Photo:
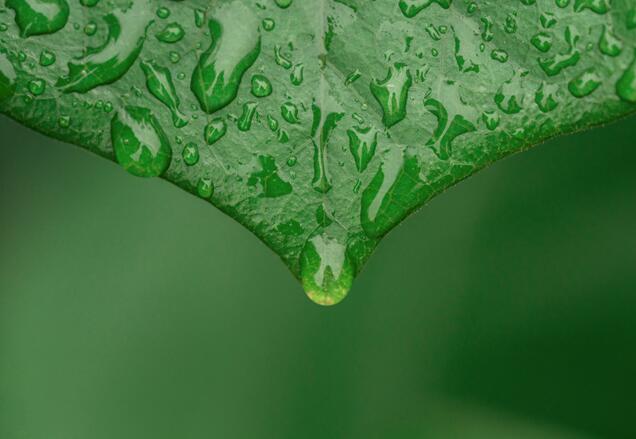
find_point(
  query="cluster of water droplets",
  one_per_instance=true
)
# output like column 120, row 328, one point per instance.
column 339, row 125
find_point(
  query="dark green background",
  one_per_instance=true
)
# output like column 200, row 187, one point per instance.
column 504, row 309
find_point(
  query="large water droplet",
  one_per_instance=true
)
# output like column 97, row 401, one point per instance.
column 271, row 184
column 362, row 144
column 236, row 44
column 109, row 62
column 140, row 144
column 322, row 128
column 442, row 140
column 392, row 194
column 39, row 17
column 160, row 85
column 585, row 83
column 392, row 93
column 326, row 270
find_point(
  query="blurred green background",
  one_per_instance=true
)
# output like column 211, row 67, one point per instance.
column 504, row 309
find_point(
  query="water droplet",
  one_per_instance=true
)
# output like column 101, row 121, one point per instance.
column 491, row 119
column 236, row 44
column 7, row 78
column 171, row 33
column 267, row 178
column 269, row 24
column 199, row 17
column 140, row 144
column 47, row 58
column 554, row 65
column 546, row 97
column 410, row 8
column 190, row 154
column 205, row 188
column 109, row 62
column 261, row 86
column 283, row 3
column 442, row 140
column 626, row 85
column 597, row 6
column 289, row 111
column 585, row 83
column 392, row 94
column 362, row 144
column 321, row 131
column 542, row 41
column 353, row 77
column 609, row 44
column 392, row 194
column 297, row 75
column 64, row 121
column 509, row 97
column 39, row 17
column 90, row 28
column 160, row 85
column 37, row 86
column 163, row 12
column 281, row 59
column 215, row 130
column 245, row 121
column 326, row 270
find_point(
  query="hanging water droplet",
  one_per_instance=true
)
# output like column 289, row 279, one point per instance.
column 326, row 270
column 141, row 146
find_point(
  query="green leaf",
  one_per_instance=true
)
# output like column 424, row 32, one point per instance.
column 319, row 125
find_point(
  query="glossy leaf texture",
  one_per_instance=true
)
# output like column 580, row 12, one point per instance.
column 318, row 125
